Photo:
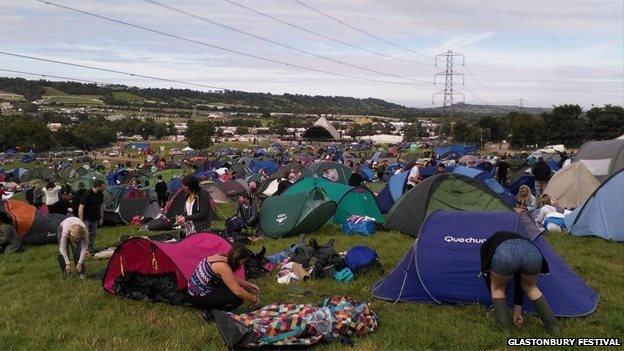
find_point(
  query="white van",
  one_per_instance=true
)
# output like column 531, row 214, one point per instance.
column 551, row 149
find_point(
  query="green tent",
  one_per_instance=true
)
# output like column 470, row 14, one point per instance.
column 351, row 200
column 86, row 178
column 169, row 174
column 342, row 172
column 297, row 213
column 445, row 191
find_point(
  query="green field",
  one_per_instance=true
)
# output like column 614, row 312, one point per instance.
column 42, row 311
column 49, row 91
column 73, row 100
column 128, row 97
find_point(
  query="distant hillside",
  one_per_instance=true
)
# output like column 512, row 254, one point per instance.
column 228, row 100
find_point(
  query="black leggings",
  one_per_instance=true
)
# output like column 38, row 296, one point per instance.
column 219, row 299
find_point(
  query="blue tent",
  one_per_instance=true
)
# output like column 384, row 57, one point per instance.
column 174, row 184
column 28, row 157
column 603, row 213
column 367, row 173
column 137, row 145
column 455, row 150
column 495, row 186
column 486, row 166
column 269, row 166
column 528, row 180
column 471, row 172
column 443, row 265
column 392, row 191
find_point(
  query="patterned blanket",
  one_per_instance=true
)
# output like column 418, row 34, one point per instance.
column 306, row 324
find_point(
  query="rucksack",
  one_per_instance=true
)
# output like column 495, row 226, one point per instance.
column 363, row 259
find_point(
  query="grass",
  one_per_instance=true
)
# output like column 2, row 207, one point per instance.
column 73, row 100
column 128, row 97
column 50, row 91
column 42, row 311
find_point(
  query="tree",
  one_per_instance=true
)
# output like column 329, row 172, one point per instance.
column 605, row 122
column 463, row 132
column 242, row 130
column 565, row 125
column 24, row 132
column 199, row 134
column 496, row 128
column 413, row 131
column 316, row 133
column 525, row 129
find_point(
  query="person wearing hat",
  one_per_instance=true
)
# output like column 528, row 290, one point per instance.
column 72, row 235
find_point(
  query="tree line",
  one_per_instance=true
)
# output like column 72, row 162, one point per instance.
column 565, row 124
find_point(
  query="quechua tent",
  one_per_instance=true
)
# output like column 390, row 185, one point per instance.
column 443, row 266
column 343, row 172
column 295, row 213
column 446, row 191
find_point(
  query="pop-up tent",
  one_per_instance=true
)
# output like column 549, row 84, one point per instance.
column 142, row 268
column 443, row 266
column 296, row 213
column 446, row 191
column 350, row 200
column 234, row 188
column 32, row 226
column 392, row 192
column 572, row 185
column 343, row 172
column 603, row 213
column 603, row 158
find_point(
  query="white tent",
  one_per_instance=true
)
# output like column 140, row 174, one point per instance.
column 322, row 122
column 187, row 149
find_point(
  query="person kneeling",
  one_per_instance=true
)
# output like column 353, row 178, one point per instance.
column 72, row 234
column 246, row 216
column 213, row 285
column 507, row 255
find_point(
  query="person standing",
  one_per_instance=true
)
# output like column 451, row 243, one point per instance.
column 413, row 177
column 542, row 173
column 196, row 217
column 52, row 199
column 91, row 211
column 501, row 170
column 161, row 191
column 38, row 195
column 78, row 194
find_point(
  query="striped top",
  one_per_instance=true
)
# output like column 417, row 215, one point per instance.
column 64, row 239
column 204, row 279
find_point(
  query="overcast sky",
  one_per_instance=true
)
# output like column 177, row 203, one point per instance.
column 547, row 52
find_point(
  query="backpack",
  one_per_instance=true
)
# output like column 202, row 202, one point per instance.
column 362, row 259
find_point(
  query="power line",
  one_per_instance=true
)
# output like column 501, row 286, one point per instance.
column 359, row 29
column 45, row 75
column 320, row 35
column 175, row 36
column 271, row 41
column 449, row 74
column 483, row 86
column 109, row 70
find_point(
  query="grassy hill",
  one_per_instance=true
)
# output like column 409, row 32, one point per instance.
column 51, row 91
column 126, row 96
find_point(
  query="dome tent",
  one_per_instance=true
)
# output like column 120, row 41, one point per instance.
column 603, row 212
column 446, row 191
column 296, row 213
column 349, row 200
column 443, row 266
column 572, row 185
column 32, row 225
column 343, row 172
column 603, row 158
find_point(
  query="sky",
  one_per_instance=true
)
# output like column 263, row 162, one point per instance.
column 547, row 52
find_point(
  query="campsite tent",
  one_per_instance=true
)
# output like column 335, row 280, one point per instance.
column 572, row 185
column 269, row 186
column 216, row 193
column 446, row 191
column 350, row 200
column 603, row 212
column 169, row 174
column 137, row 260
column 234, row 188
column 31, row 225
column 602, row 158
column 392, row 192
column 443, row 265
column 295, row 213
column 344, row 172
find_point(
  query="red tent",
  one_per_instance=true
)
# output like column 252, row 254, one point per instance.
column 140, row 255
